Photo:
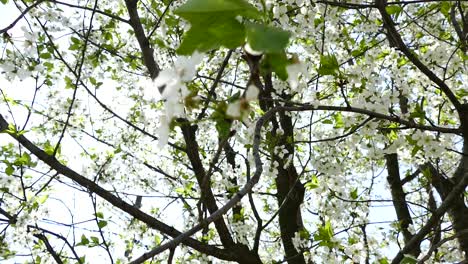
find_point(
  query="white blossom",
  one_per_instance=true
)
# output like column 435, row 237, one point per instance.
column 293, row 71
column 172, row 83
column 252, row 93
column 233, row 109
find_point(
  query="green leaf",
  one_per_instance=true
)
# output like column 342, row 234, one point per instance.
column 76, row 44
column 408, row 259
column 99, row 215
column 4, row 1
column 393, row 9
column 418, row 112
column 179, row 190
column 276, row 62
column 95, row 240
column 196, row 9
column 223, row 126
column 312, row 184
column 304, row 234
column 84, row 241
column 75, row 40
column 9, row 170
column 415, row 150
column 325, row 235
column 223, row 123
column 338, row 120
column 25, row 159
column 42, row 199
column 69, row 83
column 214, row 24
column 354, row 193
column 383, row 261
column 212, row 34
column 49, row 66
column 74, row 47
column 93, row 80
column 328, row 65
column 11, row 129
column 45, row 55
column 48, row 148
column 157, row 240
column 461, row 93
column 427, row 173
column 445, row 8
column 102, row 224
column 266, row 38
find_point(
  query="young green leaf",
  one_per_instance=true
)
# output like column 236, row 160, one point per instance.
column 214, row 24
column 313, row 183
column 393, row 9
column 9, row 170
column 266, row 38
column 213, row 33
column 102, row 224
column 328, row 65
column 408, row 259
column 277, row 62
column 195, row 9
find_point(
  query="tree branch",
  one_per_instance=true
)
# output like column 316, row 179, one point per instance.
column 4, row 30
column 399, row 200
column 207, row 197
column 396, row 119
column 11, row 219
column 49, row 247
column 433, row 220
column 441, row 242
column 72, row 249
column 90, row 9
column 148, row 56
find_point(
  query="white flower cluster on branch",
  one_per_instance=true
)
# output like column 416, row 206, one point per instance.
column 171, row 83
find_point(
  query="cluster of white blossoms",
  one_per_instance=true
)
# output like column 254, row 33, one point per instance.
column 236, row 108
column 23, row 235
column 13, row 71
column 242, row 231
column 299, row 242
column 355, row 251
column 294, row 71
column 239, row 108
column 171, row 84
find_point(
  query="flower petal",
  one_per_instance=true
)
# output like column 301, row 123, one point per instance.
column 252, row 93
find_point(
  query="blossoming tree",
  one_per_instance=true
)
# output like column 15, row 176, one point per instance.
column 248, row 131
